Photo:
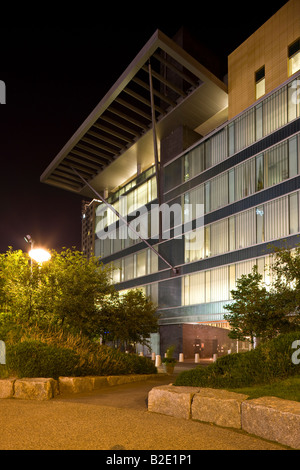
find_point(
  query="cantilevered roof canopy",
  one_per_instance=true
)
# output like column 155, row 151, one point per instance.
column 116, row 136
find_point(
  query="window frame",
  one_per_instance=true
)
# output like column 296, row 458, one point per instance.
column 260, row 76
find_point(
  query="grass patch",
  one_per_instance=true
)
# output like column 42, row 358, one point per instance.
column 288, row 389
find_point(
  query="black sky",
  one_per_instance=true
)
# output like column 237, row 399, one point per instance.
column 57, row 73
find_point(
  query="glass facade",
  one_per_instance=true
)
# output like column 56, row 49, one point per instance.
column 246, row 177
column 270, row 114
column 112, row 236
column 271, row 167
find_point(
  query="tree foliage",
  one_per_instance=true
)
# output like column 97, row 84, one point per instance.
column 73, row 293
column 18, row 283
column 128, row 318
column 63, row 291
column 265, row 311
column 249, row 307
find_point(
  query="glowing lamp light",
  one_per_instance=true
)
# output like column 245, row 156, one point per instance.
column 39, row 255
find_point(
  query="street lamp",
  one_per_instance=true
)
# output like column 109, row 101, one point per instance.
column 28, row 239
column 39, row 255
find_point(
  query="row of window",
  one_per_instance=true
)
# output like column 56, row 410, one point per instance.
column 150, row 290
column 275, row 111
column 135, row 265
column 215, row 285
column 131, row 184
column 293, row 67
column 273, row 220
column 127, row 203
column 262, row 171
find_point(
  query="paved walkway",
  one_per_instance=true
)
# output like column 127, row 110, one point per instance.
column 112, row 418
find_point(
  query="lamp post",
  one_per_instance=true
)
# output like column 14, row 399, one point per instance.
column 39, row 255
column 28, row 239
column 36, row 254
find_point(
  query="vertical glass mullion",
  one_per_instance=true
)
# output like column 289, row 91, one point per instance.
column 231, row 189
column 231, row 146
column 293, row 213
column 207, row 197
column 293, row 160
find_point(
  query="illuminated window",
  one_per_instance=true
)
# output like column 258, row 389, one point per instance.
column 260, row 84
column 294, row 57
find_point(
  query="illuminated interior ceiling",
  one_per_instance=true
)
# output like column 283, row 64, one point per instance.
column 117, row 136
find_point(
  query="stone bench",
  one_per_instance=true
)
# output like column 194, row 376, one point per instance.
column 214, row 406
column 29, row 389
column 35, row 389
column 219, row 407
column 271, row 418
column 89, row 383
column 48, row 388
column 274, row 419
column 173, row 401
column 7, row 388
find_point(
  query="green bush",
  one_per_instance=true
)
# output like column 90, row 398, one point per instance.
column 268, row 362
column 104, row 360
column 36, row 359
column 62, row 353
column 140, row 365
column 276, row 356
column 33, row 358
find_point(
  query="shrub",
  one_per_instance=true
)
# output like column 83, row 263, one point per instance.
column 36, row 359
column 140, row 365
column 104, row 360
column 31, row 358
column 268, row 362
column 276, row 356
column 35, row 351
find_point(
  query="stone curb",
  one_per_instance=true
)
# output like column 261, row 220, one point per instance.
column 48, row 388
column 271, row 418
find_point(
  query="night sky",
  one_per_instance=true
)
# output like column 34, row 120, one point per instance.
column 55, row 75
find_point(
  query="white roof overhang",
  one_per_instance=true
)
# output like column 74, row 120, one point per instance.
column 116, row 136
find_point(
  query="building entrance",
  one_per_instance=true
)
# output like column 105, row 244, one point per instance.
column 204, row 340
column 195, row 338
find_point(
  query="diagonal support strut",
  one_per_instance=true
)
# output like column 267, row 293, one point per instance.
column 174, row 270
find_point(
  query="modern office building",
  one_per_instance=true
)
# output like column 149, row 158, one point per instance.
column 219, row 155
column 88, row 227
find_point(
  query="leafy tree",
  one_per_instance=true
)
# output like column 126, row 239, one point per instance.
column 64, row 291
column 71, row 289
column 18, row 284
column 72, row 293
column 249, row 307
column 128, row 318
column 258, row 311
column 286, row 273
